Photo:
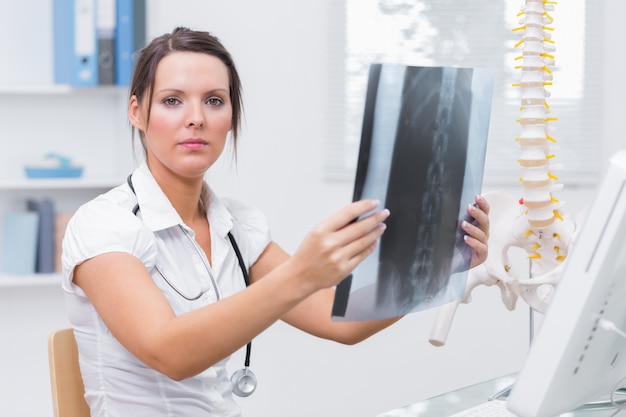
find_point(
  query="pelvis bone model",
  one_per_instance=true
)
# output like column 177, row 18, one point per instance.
column 534, row 223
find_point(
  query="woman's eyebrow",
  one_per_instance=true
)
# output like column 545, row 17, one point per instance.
column 178, row 91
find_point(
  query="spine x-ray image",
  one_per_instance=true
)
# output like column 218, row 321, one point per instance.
column 422, row 154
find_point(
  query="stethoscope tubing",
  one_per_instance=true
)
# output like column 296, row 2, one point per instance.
column 247, row 374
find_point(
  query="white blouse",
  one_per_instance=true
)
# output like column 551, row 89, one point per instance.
column 116, row 382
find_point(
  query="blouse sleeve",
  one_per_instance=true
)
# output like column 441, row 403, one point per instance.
column 102, row 226
column 251, row 229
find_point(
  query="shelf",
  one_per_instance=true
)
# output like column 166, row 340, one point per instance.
column 36, row 280
column 59, row 183
column 60, row 89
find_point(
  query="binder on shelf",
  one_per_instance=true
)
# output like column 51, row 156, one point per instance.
column 46, row 252
column 105, row 29
column 96, row 41
column 139, row 23
column 129, row 38
column 85, row 67
column 19, row 242
column 63, row 40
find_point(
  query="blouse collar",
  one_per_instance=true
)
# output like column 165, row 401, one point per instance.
column 158, row 213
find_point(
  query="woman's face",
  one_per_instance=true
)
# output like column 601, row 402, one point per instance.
column 190, row 116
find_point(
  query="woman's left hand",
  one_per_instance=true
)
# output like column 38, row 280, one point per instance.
column 477, row 236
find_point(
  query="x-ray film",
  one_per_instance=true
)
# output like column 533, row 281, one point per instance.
column 422, row 154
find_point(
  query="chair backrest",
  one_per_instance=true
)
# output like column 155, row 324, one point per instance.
column 66, row 382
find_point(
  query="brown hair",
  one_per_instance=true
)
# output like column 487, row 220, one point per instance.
column 187, row 40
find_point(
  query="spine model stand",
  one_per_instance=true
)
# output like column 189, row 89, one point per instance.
column 535, row 221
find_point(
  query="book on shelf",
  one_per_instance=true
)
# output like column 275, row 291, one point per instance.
column 32, row 238
column 45, row 259
column 19, row 242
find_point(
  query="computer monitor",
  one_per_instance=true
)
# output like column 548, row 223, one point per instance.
column 576, row 357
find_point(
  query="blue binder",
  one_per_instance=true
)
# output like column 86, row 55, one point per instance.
column 19, row 243
column 63, row 38
column 130, row 37
column 124, row 42
column 75, row 42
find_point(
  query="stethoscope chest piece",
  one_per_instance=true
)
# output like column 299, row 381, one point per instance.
column 244, row 382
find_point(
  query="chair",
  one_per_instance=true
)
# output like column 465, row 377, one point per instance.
column 66, row 382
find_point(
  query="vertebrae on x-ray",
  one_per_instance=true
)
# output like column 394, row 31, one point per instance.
column 422, row 268
column 535, row 222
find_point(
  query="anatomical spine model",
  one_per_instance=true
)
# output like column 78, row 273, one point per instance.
column 534, row 222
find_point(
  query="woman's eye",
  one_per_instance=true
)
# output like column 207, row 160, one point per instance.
column 171, row 101
column 214, row 101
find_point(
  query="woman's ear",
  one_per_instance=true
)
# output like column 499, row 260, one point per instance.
column 135, row 115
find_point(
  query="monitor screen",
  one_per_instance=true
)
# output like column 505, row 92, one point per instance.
column 575, row 357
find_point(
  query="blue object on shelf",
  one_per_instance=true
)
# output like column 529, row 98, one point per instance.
column 53, row 166
column 74, row 172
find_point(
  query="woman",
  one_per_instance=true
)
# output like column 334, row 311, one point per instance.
column 156, row 293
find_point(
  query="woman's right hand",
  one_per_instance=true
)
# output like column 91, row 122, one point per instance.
column 337, row 245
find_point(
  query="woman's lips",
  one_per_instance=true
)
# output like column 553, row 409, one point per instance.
column 193, row 144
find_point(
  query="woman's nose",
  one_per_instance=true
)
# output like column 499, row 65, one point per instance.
column 195, row 117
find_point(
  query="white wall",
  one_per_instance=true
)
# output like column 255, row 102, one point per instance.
column 280, row 48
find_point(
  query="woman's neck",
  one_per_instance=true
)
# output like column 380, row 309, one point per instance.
column 184, row 194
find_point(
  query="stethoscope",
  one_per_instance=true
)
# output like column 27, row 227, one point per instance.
column 244, row 381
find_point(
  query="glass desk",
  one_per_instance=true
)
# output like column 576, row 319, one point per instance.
column 447, row 404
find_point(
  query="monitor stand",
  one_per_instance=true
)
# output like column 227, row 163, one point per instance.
column 618, row 401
